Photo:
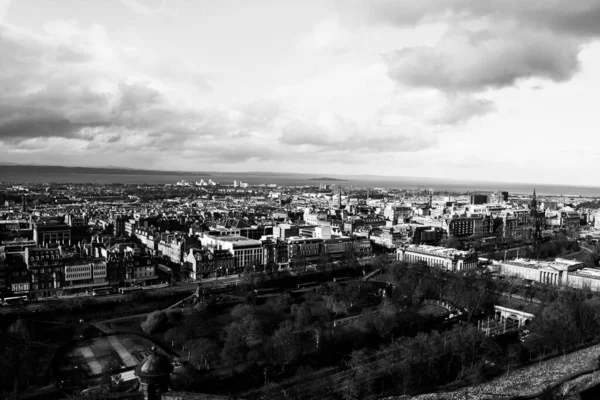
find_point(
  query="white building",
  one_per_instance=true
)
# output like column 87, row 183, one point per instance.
column 440, row 257
column 247, row 252
column 557, row 272
column 85, row 272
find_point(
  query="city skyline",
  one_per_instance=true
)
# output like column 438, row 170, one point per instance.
column 447, row 89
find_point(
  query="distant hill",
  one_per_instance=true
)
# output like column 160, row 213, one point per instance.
column 54, row 169
column 328, row 179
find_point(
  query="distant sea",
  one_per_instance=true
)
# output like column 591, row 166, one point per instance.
column 87, row 175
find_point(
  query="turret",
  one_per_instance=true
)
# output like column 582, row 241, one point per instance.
column 154, row 375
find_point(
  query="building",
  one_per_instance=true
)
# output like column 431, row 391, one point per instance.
column 45, row 233
column 46, row 270
column 478, row 199
column 246, row 252
column 569, row 219
column 208, row 263
column 439, row 257
column 154, row 374
column 397, row 214
column 76, row 220
column 172, row 247
column 85, row 273
column 304, row 250
column 140, row 272
column 387, row 238
column 129, row 225
column 118, row 264
column 337, row 247
column 4, row 276
column 425, row 234
column 460, row 227
column 557, row 272
column 364, row 223
column 283, row 231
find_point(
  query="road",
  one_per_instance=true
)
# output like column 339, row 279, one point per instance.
column 178, row 288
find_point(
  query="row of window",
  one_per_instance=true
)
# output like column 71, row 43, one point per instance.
column 46, row 257
column 78, row 275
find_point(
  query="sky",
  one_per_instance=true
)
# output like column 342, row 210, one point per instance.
column 493, row 90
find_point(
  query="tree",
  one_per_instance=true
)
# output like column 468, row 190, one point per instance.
column 454, row 243
column 338, row 307
column 285, row 344
column 381, row 261
column 557, row 325
column 384, row 325
column 513, row 357
column 177, row 336
column 302, row 315
column 17, row 361
column 362, row 375
column 20, row 331
column 156, row 321
column 235, row 345
column 350, row 388
column 249, row 276
column 324, row 261
column 202, row 352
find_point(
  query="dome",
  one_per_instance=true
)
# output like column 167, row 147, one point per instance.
column 155, row 365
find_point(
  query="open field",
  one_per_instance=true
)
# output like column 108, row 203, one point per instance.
column 92, row 357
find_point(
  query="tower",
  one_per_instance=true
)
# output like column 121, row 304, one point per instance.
column 535, row 218
column 340, row 198
column 154, row 375
column 533, row 204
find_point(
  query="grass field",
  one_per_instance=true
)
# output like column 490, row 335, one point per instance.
column 93, row 357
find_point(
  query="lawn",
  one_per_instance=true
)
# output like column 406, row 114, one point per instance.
column 92, row 357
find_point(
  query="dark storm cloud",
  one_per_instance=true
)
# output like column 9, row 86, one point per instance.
column 37, row 126
column 489, row 43
column 490, row 58
column 46, row 93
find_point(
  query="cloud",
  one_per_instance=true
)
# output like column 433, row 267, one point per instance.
column 488, row 44
column 575, row 18
column 460, row 108
column 74, row 83
column 4, row 7
column 375, row 136
column 495, row 57
column 145, row 7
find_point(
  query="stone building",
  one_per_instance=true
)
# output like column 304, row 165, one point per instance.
column 439, row 257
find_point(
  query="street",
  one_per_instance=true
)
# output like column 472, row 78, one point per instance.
column 178, row 288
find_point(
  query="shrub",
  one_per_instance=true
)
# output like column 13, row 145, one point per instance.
column 156, row 321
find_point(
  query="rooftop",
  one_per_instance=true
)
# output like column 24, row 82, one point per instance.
column 238, row 240
column 589, row 272
column 437, row 251
column 559, row 264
